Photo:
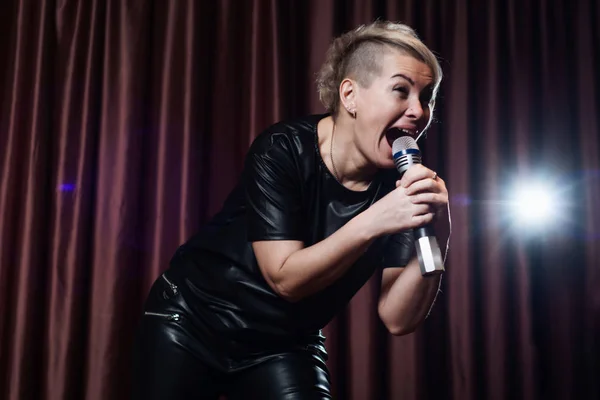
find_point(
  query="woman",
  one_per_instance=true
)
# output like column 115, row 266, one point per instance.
column 317, row 211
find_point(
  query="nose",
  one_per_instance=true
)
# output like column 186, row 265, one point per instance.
column 415, row 109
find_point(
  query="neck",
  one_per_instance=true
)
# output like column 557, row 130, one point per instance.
column 341, row 154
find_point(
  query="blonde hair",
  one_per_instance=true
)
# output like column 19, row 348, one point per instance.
column 357, row 54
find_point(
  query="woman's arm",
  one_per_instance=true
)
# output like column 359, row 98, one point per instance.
column 295, row 272
column 406, row 295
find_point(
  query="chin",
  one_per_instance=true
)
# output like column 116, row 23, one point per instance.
column 386, row 157
column 380, row 155
column 388, row 165
column 385, row 162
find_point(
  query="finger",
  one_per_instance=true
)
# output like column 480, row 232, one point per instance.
column 420, row 220
column 398, row 183
column 422, row 209
column 425, row 185
column 436, row 199
column 415, row 173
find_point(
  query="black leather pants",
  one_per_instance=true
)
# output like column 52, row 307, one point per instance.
column 171, row 362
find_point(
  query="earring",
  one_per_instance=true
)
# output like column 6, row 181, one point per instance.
column 353, row 112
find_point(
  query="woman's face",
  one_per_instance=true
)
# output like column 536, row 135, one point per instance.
column 395, row 104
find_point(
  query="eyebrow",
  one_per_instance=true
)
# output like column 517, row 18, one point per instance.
column 405, row 77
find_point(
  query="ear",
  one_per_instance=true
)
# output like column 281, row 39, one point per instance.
column 348, row 89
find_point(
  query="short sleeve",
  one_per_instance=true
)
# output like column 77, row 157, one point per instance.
column 273, row 192
column 398, row 250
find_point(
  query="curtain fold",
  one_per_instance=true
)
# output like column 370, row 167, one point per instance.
column 124, row 125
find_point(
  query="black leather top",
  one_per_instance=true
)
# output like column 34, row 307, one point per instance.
column 285, row 192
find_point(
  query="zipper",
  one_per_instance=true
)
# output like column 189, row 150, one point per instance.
column 169, row 317
column 171, row 284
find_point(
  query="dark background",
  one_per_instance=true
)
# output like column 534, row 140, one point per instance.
column 124, row 123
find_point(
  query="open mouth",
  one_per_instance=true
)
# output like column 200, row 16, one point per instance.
column 394, row 133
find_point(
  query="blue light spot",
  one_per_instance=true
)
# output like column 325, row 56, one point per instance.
column 67, row 187
column 461, row 200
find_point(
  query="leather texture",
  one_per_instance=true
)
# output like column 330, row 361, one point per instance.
column 231, row 319
column 173, row 361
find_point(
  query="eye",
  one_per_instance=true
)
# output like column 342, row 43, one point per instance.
column 402, row 90
column 425, row 97
column 425, row 101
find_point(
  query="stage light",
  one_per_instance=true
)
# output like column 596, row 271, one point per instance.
column 534, row 204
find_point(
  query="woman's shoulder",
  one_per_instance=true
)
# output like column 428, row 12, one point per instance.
column 297, row 135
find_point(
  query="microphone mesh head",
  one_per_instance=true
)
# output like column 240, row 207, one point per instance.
column 404, row 143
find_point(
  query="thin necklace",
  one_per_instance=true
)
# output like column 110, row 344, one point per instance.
column 337, row 178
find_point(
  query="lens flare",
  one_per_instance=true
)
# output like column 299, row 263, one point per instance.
column 534, row 204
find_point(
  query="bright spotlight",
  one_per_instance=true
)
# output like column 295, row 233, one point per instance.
column 534, row 204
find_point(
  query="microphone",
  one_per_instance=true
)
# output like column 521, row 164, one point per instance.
column 406, row 153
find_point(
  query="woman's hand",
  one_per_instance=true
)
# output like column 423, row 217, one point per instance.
column 423, row 186
column 419, row 196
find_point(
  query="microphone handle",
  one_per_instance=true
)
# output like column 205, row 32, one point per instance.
column 429, row 254
column 428, row 250
column 423, row 231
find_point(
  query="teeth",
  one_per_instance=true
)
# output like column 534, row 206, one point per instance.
column 399, row 132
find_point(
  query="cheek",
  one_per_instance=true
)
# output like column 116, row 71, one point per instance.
column 371, row 142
